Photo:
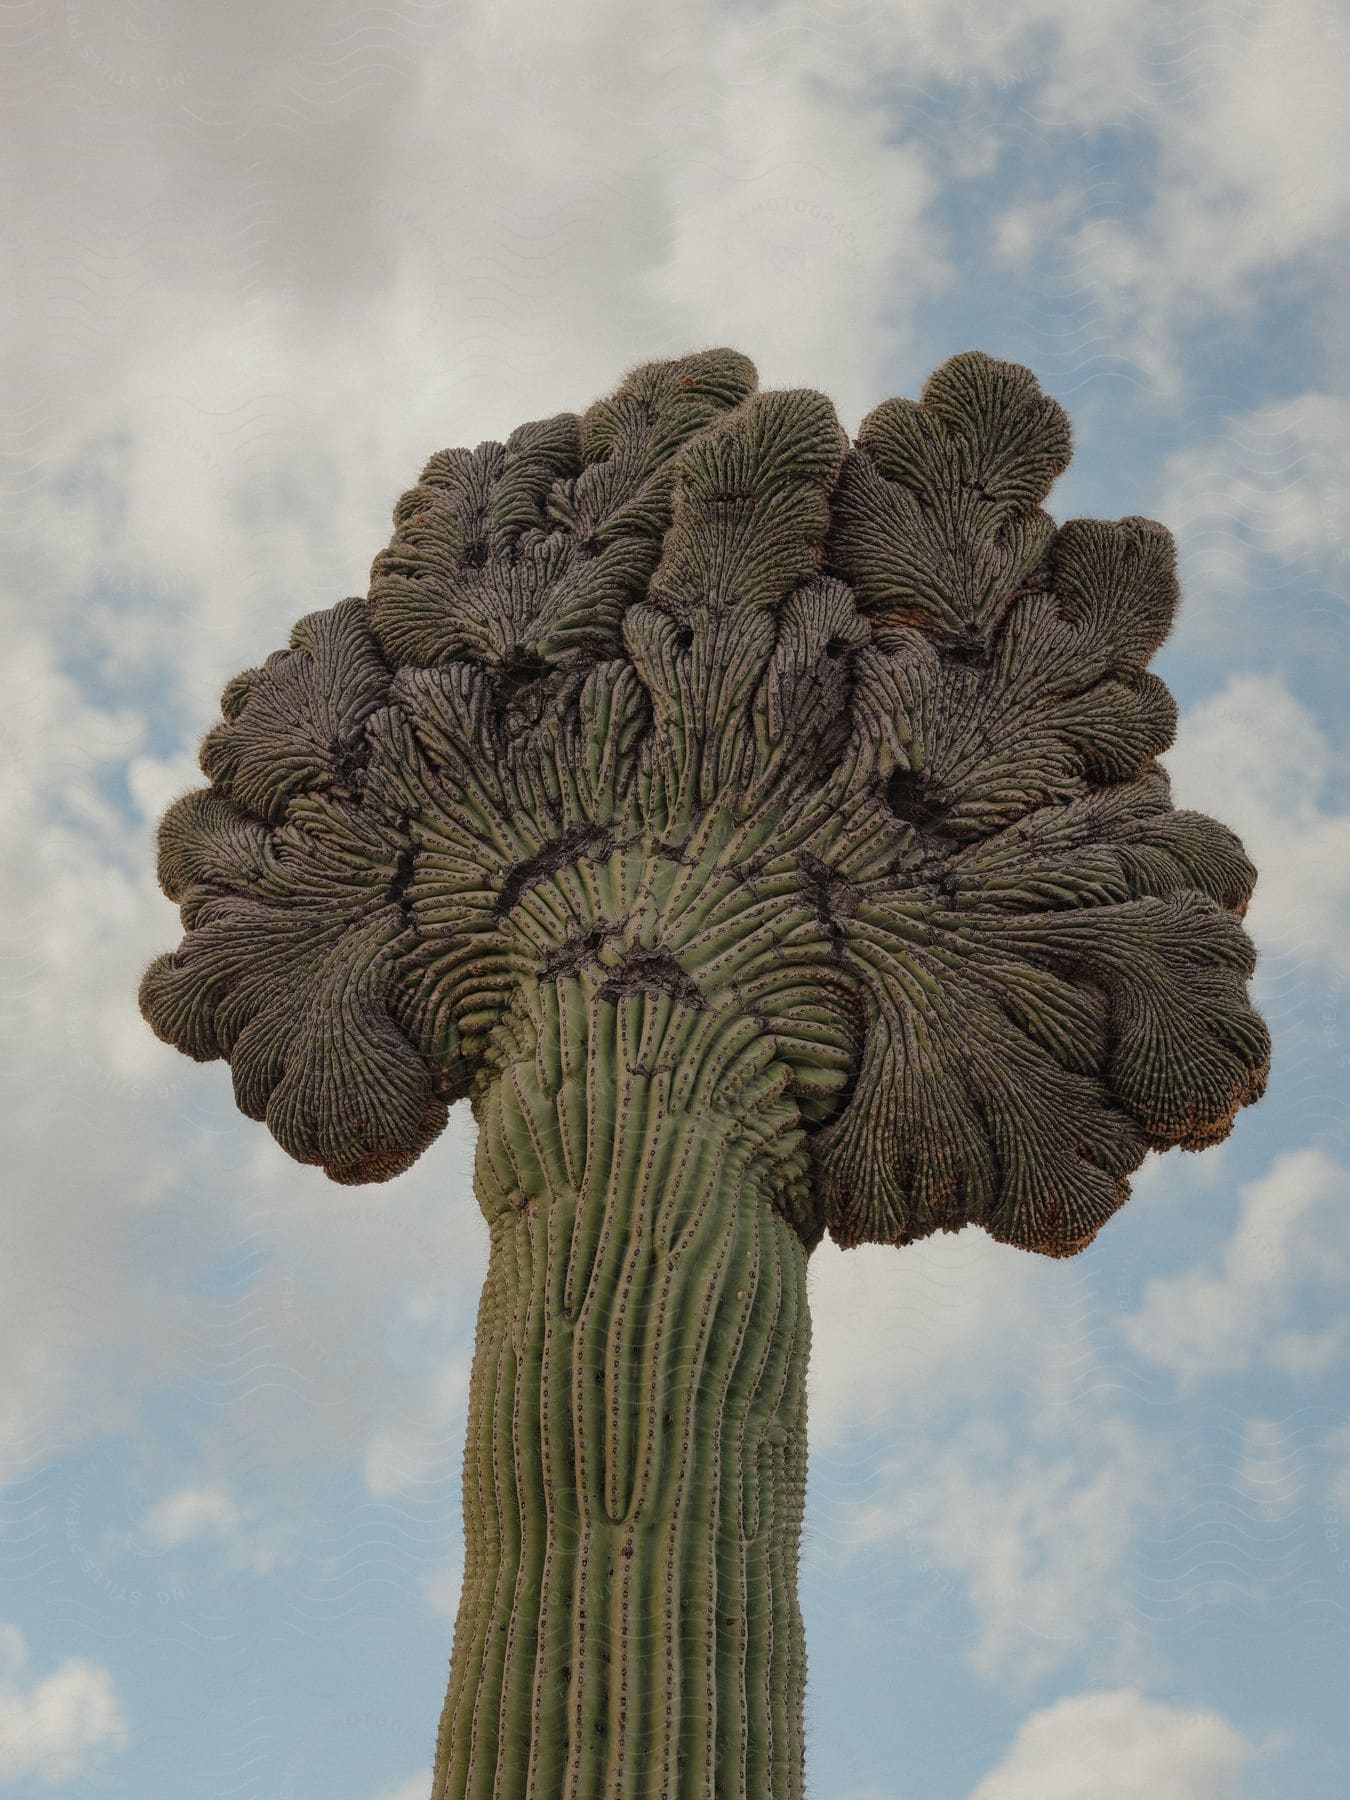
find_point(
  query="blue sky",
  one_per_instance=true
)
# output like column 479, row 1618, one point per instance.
column 1071, row 1528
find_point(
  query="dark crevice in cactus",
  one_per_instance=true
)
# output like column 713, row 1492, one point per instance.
column 518, row 671
column 976, row 654
column 350, row 765
column 831, row 895
column 916, row 799
column 398, row 887
column 651, row 972
column 577, row 952
column 590, row 839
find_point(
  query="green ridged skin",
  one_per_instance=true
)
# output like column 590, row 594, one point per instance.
column 636, row 1461
column 765, row 834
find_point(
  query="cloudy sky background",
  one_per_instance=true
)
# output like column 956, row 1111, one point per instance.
column 1072, row 1527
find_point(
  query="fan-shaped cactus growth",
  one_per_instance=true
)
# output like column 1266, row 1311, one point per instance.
column 765, row 833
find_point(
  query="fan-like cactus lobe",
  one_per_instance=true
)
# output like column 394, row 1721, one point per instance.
column 766, row 832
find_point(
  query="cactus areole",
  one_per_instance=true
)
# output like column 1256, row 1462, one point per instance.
column 765, row 833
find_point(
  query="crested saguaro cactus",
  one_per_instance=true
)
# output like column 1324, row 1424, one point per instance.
column 765, row 833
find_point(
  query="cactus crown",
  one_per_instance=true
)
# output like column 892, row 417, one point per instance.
column 902, row 722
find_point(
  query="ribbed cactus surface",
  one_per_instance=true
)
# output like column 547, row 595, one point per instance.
column 636, row 1461
column 765, row 833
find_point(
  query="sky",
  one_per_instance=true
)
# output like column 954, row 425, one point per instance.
column 1072, row 1527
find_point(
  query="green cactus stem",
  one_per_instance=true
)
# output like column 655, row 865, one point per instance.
column 636, row 1461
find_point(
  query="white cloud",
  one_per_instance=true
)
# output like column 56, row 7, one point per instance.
column 442, row 1588
column 1262, row 499
column 1239, row 195
column 1273, row 479
column 1255, row 756
column 1253, row 1297
column 1219, row 193
column 425, row 1447
column 74, row 1055
column 793, row 226
column 1273, row 1470
column 1120, row 1745
column 1036, row 1526
column 920, row 1328
column 1336, row 1447
column 1030, row 1516
column 416, row 1787
column 492, row 260
column 192, row 1512
column 209, row 1513
column 1271, row 191
column 58, row 1727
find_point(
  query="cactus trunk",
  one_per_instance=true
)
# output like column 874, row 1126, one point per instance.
column 635, row 1466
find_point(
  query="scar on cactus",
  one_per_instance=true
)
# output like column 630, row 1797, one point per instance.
column 765, row 833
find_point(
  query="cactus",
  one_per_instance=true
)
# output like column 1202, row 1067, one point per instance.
column 765, row 834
